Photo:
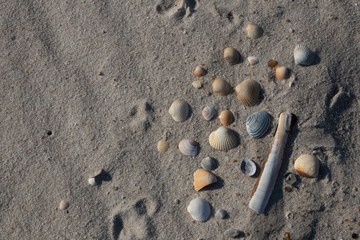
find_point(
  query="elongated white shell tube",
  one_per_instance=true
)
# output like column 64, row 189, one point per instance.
column 266, row 182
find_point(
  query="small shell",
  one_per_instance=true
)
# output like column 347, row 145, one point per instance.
column 221, row 87
column 290, row 178
column 307, row 165
column 257, row 124
column 199, row 209
column 197, row 84
column 226, row 117
column 231, row 55
column 303, row 55
column 254, row 31
column 63, row 205
column 179, row 110
column 92, row 181
column 162, row 146
column 209, row 163
column 223, row 139
column 248, row 167
column 188, row 147
column 203, row 178
column 248, row 92
column 199, row 71
column 208, row 113
column 282, row 72
column 272, row 63
column 253, row 60
column 221, row 213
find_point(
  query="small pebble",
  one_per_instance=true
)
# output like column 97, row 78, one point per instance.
column 290, row 178
column 221, row 213
column 92, row 181
column 63, row 205
column 197, row 84
column 176, row 201
column 231, row 233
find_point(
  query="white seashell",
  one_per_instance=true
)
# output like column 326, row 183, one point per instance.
column 223, row 139
column 303, row 55
column 307, row 166
column 188, row 147
column 203, row 178
column 197, row 84
column 199, row 209
column 257, row 124
column 179, row 110
column 208, row 113
column 248, row 167
column 63, row 205
column 162, row 146
column 253, row 60
column 231, row 55
column 92, row 181
column 209, row 163
column 254, row 31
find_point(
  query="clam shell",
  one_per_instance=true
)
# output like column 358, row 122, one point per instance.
column 221, row 87
column 248, row 167
column 307, row 166
column 179, row 110
column 248, row 92
column 199, row 71
column 203, row 178
column 63, row 205
column 254, row 31
column 257, row 124
column 208, row 113
column 197, row 84
column 253, row 60
column 199, row 209
column 188, row 147
column 209, row 163
column 226, row 117
column 282, row 73
column 303, row 55
column 162, row 146
column 231, row 55
column 223, row 139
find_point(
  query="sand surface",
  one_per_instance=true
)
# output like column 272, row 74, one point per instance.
column 86, row 85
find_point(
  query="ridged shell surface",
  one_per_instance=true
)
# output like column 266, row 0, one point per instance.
column 248, row 92
column 303, row 55
column 231, row 55
column 307, row 165
column 188, row 147
column 248, row 167
column 179, row 110
column 254, row 31
column 203, row 178
column 257, row 124
column 208, row 113
column 221, row 87
column 199, row 209
column 209, row 163
column 223, row 139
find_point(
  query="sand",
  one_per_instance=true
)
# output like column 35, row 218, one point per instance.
column 86, row 85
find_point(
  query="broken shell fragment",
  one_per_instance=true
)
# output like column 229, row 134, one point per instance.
column 254, row 31
column 307, row 165
column 303, row 55
column 231, row 55
column 162, row 146
column 208, row 113
column 223, row 139
column 248, row 167
column 226, row 117
column 179, row 110
column 63, row 205
column 188, row 147
column 257, row 124
column 253, row 60
column 92, row 181
column 199, row 71
column 248, row 92
column 221, row 87
column 197, row 84
column 199, row 209
column 203, row 178
column 290, row 178
column 209, row 163
column 282, row 73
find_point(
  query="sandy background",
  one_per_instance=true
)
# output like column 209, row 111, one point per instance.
column 87, row 85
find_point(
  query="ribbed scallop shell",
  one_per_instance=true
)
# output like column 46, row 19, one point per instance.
column 248, row 92
column 282, row 73
column 307, row 165
column 208, row 113
column 254, row 31
column 199, row 209
column 231, row 55
column 221, row 87
column 203, row 178
column 223, row 139
column 226, row 117
column 179, row 110
column 257, row 124
column 209, row 163
column 248, row 167
column 303, row 55
column 188, row 147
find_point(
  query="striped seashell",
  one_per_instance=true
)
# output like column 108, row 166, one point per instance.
column 199, row 209
column 248, row 92
column 221, row 87
column 203, row 178
column 188, row 147
column 231, row 55
column 209, row 163
column 257, row 124
column 199, row 71
column 223, row 139
column 253, row 60
column 307, row 166
column 254, row 31
column 179, row 110
column 208, row 113
column 226, row 117
column 248, row 167
column 162, row 146
column 282, row 72
column 303, row 55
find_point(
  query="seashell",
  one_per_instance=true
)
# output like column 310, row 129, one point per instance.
column 92, row 181
column 254, row 31
column 253, row 60
column 232, row 233
column 63, row 205
column 208, row 113
column 248, row 167
column 221, row 213
column 248, row 92
column 307, row 166
column 221, row 87
column 282, row 72
column 231, row 55
column 209, row 163
column 272, row 63
column 199, row 71
column 223, row 139
column 199, row 209
column 303, row 55
column 203, row 178
column 257, row 124
column 188, row 147
column 179, row 110
column 226, row 117
column 162, row 146
column 290, row 178
column 197, row 84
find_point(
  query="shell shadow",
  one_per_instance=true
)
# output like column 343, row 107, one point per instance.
column 261, row 96
column 317, row 58
column 258, row 170
column 190, row 113
column 219, row 184
column 104, row 176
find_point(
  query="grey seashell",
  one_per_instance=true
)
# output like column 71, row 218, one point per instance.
column 257, row 124
column 303, row 55
column 248, row 167
column 209, row 163
column 188, row 147
column 232, row 233
column 221, row 213
column 208, row 113
column 199, row 209
column 179, row 110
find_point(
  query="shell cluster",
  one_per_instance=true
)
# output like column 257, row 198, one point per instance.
column 248, row 92
column 203, row 178
column 179, row 110
column 307, row 166
column 199, row 209
column 257, row 124
column 221, row 87
column 208, row 113
column 223, row 139
column 189, row 147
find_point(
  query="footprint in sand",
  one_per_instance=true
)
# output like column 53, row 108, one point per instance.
column 176, row 9
column 141, row 115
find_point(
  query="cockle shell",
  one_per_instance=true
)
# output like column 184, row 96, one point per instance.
column 253, row 60
column 223, row 139
column 231, row 55
column 188, row 147
column 248, row 167
column 203, row 178
column 257, row 124
column 199, row 209
column 199, row 71
column 248, row 92
column 162, row 146
column 179, row 110
column 209, row 163
column 282, row 72
column 307, row 165
column 208, row 113
column 303, row 55
column 226, row 117
column 221, row 87
column 254, row 31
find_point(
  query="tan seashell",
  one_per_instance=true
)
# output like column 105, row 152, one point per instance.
column 188, row 147
column 226, row 117
column 197, row 84
column 199, row 71
column 253, row 60
column 63, row 205
column 282, row 72
column 307, row 165
column 162, row 146
column 254, row 31
column 248, row 92
column 203, row 178
column 231, row 55
column 179, row 110
column 223, row 139
column 221, row 87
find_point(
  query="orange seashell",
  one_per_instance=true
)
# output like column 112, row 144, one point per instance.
column 282, row 72
column 203, row 178
column 226, row 117
column 272, row 63
column 199, row 71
